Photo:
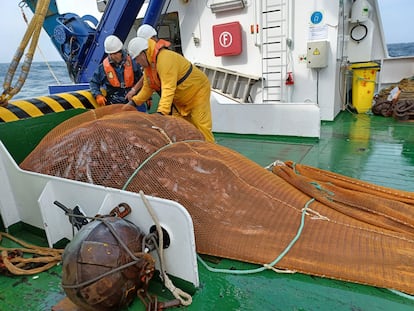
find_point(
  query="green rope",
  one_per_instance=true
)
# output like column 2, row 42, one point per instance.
column 313, row 183
column 401, row 294
column 150, row 157
column 320, row 188
column 274, row 262
column 294, row 168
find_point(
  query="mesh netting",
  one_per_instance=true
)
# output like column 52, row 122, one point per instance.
column 353, row 231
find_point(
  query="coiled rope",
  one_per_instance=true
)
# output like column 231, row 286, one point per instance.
column 32, row 35
column 12, row 259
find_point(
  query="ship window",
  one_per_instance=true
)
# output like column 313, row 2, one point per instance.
column 164, row 32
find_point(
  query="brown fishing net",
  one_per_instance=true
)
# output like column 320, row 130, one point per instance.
column 352, row 230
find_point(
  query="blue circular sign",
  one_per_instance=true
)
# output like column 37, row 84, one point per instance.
column 316, row 17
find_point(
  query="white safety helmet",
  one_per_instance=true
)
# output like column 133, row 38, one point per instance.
column 136, row 46
column 113, row 44
column 146, row 31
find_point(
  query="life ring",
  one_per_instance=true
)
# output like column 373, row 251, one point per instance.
column 359, row 32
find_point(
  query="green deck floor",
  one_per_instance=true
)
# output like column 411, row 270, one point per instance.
column 375, row 149
column 371, row 148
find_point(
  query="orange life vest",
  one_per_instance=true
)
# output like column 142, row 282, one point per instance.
column 151, row 71
column 112, row 76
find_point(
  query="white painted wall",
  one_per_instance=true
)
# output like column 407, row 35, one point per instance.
column 323, row 88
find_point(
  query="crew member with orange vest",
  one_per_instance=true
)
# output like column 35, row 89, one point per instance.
column 146, row 31
column 118, row 74
column 185, row 90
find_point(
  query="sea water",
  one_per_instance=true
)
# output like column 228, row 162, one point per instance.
column 43, row 74
column 401, row 49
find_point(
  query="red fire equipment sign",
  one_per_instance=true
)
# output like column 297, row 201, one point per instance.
column 227, row 39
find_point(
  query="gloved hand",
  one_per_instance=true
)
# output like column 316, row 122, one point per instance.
column 131, row 93
column 100, row 100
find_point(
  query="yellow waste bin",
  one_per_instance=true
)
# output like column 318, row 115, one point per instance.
column 364, row 77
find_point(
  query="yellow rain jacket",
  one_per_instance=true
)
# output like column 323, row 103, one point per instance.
column 184, row 92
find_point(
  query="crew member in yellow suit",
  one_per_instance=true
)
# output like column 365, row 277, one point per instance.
column 185, row 88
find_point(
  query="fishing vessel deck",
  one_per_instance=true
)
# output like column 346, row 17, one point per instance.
column 371, row 148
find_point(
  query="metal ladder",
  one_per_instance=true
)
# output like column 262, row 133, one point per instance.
column 232, row 84
column 274, row 49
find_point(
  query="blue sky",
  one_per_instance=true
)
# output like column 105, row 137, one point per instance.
column 397, row 16
column 398, row 20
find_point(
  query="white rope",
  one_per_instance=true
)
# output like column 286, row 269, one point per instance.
column 184, row 297
column 163, row 133
column 275, row 163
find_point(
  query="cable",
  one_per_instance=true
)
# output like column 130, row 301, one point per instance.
column 317, row 86
column 40, row 50
column 343, row 76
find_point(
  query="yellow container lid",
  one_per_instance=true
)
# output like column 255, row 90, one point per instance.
column 367, row 65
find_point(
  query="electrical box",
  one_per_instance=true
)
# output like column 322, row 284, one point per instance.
column 317, row 55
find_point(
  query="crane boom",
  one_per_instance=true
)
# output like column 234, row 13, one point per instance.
column 79, row 40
